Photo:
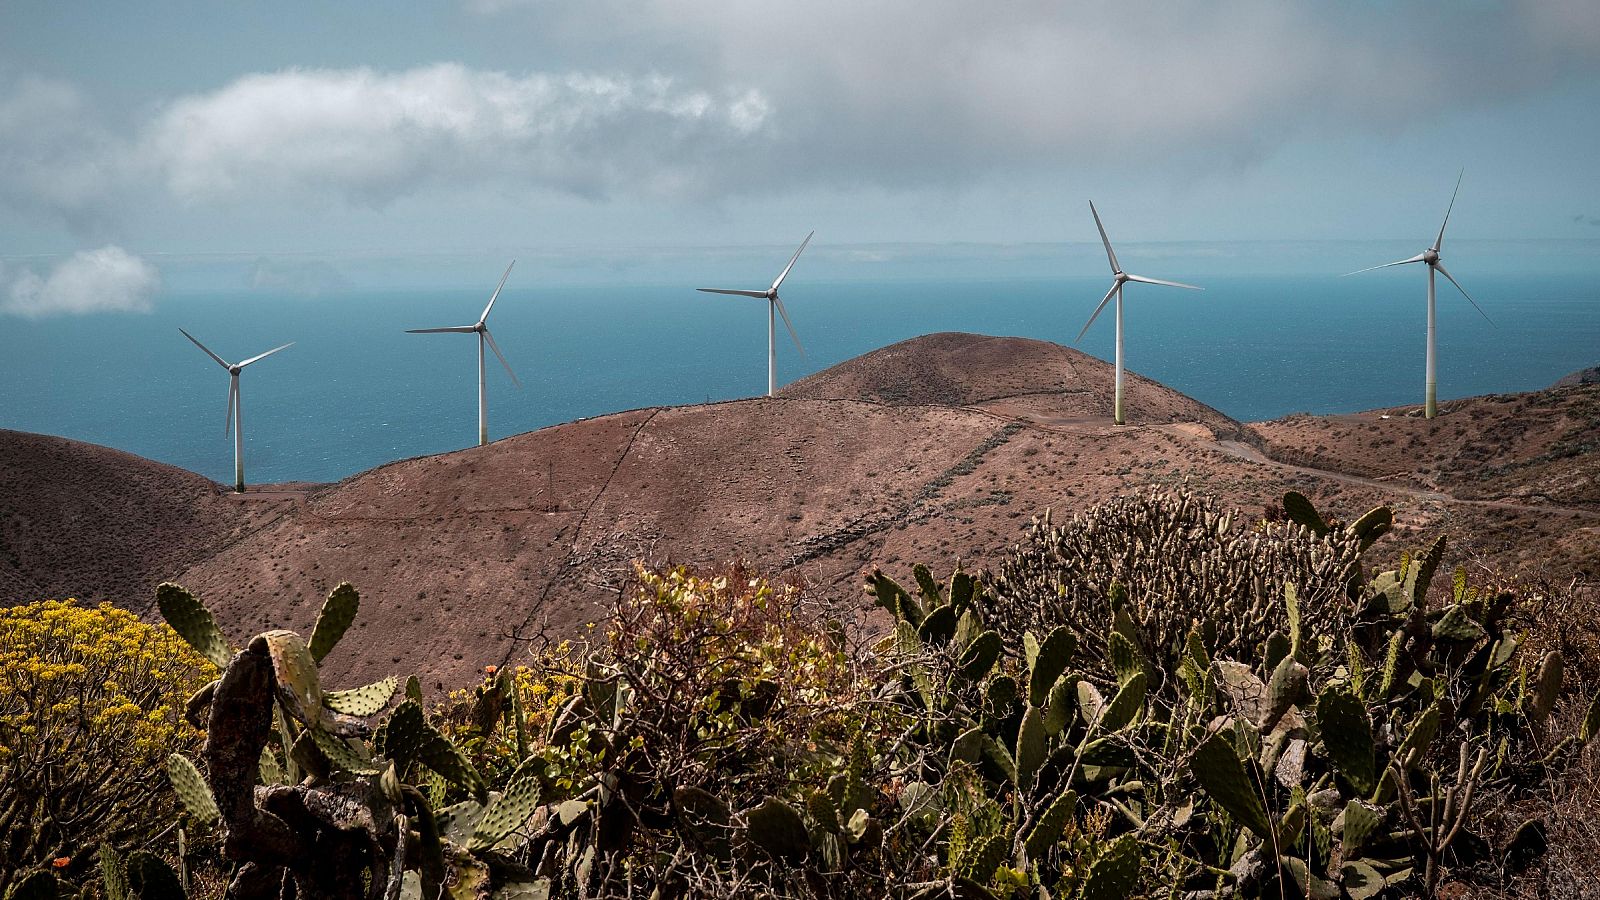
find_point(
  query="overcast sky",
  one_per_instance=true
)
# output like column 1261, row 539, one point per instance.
column 168, row 131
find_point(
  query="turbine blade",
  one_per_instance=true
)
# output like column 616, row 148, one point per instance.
column 1096, row 315
column 1415, row 259
column 759, row 294
column 785, row 273
column 1110, row 254
column 1143, row 280
column 233, row 392
column 1439, row 241
column 496, row 348
column 220, row 361
column 483, row 318
column 1464, row 293
column 454, row 329
column 266, row 354
column 784, row 314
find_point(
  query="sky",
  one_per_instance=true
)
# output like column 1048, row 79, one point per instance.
column 311, row 147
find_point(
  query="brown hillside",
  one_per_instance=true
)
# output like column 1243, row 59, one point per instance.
column 1010, row 375
column 933, row 450
column 94, row 523
column 1538, row 450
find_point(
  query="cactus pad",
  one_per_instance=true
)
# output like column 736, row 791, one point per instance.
column 775, row 827
column 151, row 879
column 508, row 812
column 409, row 736
column 338, row 611
column 296, row 673
column 193, row 622
column 343, row 754
column 1218, row 769
column 1347, row 736
column 980, row 655
column 986, row 858
column 1126, row 705
column 703, row 819
column 1052, row 824
column 362, row 701
column 192, row 789
column 1115, row 872
column 1032, row 745
column 113, row 874
column 1048, row 664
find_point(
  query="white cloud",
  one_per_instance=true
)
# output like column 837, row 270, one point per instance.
column 109, row 279
column 369, row 137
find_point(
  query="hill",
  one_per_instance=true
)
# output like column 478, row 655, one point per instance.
column 1006, row 375
column 98, row 524
column 1590, row 375
column 932, row 450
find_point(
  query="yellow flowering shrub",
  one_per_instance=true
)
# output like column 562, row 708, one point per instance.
column 91, row 704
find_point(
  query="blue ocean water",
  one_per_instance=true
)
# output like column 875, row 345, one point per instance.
column 355, row 391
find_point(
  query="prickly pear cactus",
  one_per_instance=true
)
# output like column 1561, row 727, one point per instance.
column 193, row 622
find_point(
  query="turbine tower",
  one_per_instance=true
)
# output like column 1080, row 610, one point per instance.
column 235, row 420
column 1431, row 256
column 1118, row 279
column 774, row 308
column 481, row 329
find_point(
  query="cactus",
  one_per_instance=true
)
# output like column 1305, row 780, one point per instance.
column 1032, row 745
column 704, row 819
column 346, row 755
column 299, row 688
column 193, row 622
column 509, row 811
column 775, row 827
column 338, row 611
column 362, row 701
column 1114, row 874
column 1125, row 707
column 1347, row 735
column 151, row 879
column 192, row 789
column 1302, row 512
column 1217, row 767
column 113, row 873
column 409, row 736
column 1051, row 824
column 1048, row 663
column 1547, row 687
column 985, row 858
column 980, row 655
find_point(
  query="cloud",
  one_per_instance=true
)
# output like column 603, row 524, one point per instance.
column 109, row 279
column 713, row 100
column 370, row 137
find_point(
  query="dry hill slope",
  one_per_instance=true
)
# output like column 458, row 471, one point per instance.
column 94, row 523
column 933, row 450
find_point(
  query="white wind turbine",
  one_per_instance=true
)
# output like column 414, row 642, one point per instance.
column 482, row 331
column 774, row 306
column 235, row 421
column 1431, row 256
column 1119, row 278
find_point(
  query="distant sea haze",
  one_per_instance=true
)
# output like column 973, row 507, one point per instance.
column 355, row 391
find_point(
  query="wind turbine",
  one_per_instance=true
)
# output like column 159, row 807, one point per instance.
column 482, row 331
column 1431, row 256
column 235, row 420
column 1118, row 279
column 774, row 305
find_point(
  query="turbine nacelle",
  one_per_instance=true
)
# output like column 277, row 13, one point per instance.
column 1430, row 256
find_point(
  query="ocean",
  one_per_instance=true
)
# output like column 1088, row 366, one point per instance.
column 355, row 391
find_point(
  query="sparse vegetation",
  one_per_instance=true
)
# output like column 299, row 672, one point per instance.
column 1159, row 697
